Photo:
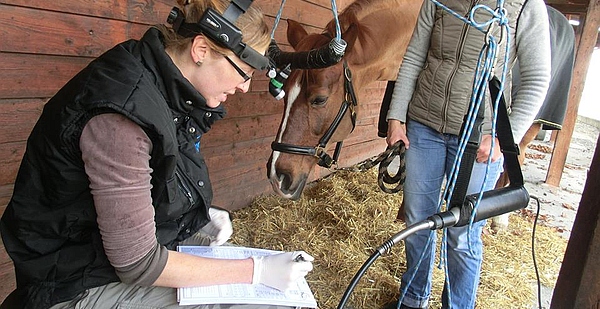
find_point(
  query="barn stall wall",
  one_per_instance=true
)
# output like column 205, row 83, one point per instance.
column 45, row 43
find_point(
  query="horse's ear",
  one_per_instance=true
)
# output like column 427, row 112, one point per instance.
column 350, row 36
column 295, row 32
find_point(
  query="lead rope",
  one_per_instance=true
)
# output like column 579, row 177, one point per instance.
column 384, row 160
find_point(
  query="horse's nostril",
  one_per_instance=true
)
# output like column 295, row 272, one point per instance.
column 285, row 180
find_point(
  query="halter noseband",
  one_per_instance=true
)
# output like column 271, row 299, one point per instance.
column 325, row 160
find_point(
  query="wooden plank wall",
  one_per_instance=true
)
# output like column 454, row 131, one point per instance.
column 45, row 43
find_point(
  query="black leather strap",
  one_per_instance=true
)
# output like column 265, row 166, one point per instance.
column 507, row 142
column 468, row 159
column 508, row 147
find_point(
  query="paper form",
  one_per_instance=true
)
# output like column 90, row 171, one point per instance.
column 300, row 296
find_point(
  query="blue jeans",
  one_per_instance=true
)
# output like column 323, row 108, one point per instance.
column 429, row 161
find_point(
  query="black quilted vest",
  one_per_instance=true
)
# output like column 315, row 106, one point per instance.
column 49, row 227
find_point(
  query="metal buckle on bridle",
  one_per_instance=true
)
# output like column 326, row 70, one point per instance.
column 350, row 96
column 325, row 160
column 347, row 72
column 319, row 151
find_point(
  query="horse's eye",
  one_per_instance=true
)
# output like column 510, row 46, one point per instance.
column 320, row 100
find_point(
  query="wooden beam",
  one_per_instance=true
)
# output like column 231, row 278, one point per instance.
column 583, row 57
column 569, row 8
column 578, row 285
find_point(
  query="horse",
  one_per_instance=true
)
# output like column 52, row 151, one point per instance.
column 377, row 33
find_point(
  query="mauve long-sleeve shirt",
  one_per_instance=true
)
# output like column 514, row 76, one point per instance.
column 116, row 153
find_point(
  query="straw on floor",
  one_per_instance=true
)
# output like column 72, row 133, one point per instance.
column 341, row 219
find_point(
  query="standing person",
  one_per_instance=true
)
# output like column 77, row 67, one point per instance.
column 431, row 97
column 113, row 180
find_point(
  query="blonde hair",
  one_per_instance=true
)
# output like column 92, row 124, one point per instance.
column 255, row 32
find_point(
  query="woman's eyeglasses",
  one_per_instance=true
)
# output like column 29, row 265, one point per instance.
column 238, row 69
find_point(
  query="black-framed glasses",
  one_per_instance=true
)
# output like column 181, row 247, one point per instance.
column 238, row 69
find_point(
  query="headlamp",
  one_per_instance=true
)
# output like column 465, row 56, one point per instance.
column 221, row 30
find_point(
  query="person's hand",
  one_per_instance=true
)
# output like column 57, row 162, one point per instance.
column 219, row 228
column 282, row 270
column 483, row 153
column 396, row 132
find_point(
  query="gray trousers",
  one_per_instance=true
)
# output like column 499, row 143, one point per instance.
column 125, row 296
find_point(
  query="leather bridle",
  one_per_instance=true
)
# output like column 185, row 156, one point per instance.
column 325, row 160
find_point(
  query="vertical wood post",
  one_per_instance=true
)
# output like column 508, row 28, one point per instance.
column 585, row 47
column 578, row 285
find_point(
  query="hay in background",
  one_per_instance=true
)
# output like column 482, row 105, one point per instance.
column 341, row 219
column 508, row 272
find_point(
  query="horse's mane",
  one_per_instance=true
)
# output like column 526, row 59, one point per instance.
column 350, row 17
column 346, row 21
column 361, row 8
column 356, row 11
column 370, row 21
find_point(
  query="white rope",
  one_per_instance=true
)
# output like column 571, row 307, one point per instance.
column 338, row 31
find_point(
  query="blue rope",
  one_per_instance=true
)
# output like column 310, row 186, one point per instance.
column 405, row 289
column 277, row 19
column 338, row 31
column 498, row 15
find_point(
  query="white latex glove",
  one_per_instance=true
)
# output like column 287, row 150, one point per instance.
column 282, row 270
column 219, row 228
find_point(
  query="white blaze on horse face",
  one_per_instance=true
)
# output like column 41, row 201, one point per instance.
column 291, row 98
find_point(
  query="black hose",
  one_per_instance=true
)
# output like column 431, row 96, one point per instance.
column 356, row 278
column 385, row 247
column 318, row 58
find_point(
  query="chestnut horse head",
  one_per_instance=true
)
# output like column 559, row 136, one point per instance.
column 319, row 105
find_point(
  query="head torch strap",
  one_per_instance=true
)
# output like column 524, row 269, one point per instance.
column 251, row 56
column 222, row 30
column 236, row 8
column 242, row 50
